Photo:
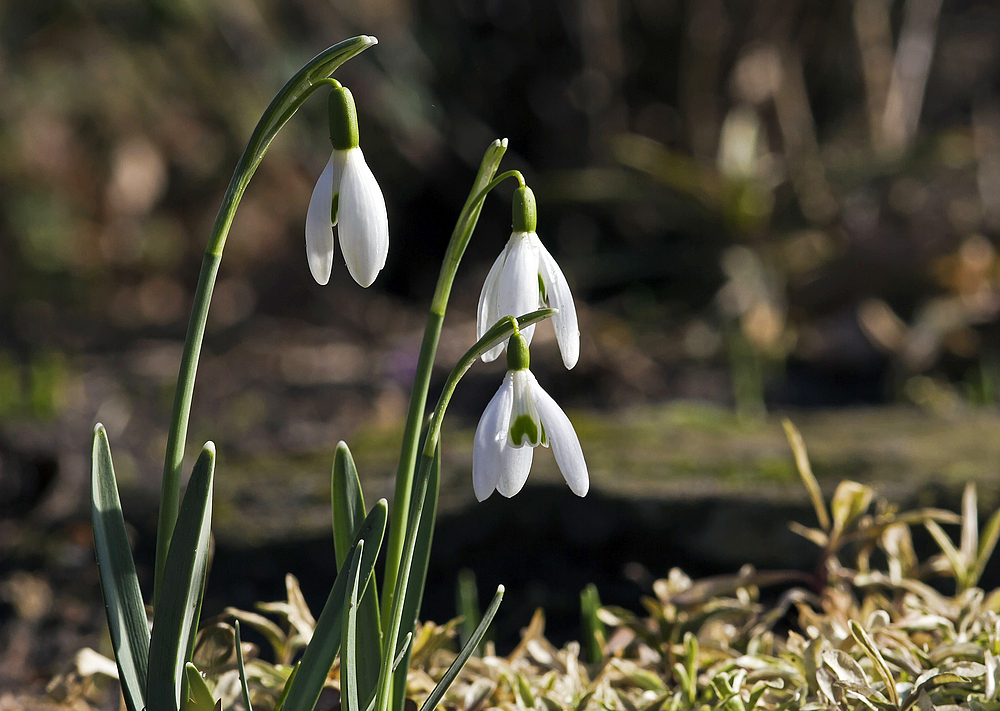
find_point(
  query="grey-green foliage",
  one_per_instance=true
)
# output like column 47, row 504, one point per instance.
column 122, row 597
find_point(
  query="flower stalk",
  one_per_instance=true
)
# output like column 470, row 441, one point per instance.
column 284, row 105
column 464, row 226
column 500, row 332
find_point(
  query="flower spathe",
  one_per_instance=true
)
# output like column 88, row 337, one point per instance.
column 524, row 278
column 520, row 417
column 346, row 195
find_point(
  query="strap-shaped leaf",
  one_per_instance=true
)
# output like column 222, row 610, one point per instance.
column 286, row 688
column 467, row 603
column 456, row 666
column 322, row 650
column 593, row 628
column 418, row 577
column 349, row 657
column 348, row 514
column 242, row 669
column 122, row 598
column 347, row 500
column 198, row 697
column 175, row 620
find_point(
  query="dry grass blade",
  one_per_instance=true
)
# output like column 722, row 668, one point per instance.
column 805, row 472
column 951, row 553
column 866, row 642
column 970, row 524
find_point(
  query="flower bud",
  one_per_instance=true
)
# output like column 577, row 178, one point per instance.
column 343, row 118
column 523, row 213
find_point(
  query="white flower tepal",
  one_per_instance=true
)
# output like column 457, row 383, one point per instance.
column 524, row 278
column 346, row 193
column 520, row 417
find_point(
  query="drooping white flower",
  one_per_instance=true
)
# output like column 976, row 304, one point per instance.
column 519, row 418
column 525, row 278
column 346, row 195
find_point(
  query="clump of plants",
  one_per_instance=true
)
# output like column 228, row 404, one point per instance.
column 849, row 634
column 162, row 662
column 864, row 630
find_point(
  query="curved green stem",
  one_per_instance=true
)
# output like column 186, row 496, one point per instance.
column 501, row 331
column 460, row 237
column 284, row 105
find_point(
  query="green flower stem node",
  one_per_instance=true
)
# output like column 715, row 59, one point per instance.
column 343, row 118
column 518, row 357
column 524, row 214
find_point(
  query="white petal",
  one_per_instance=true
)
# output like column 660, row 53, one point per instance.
column 559, row 297
column 364, row 225
column 564, row 442
column 492, row 460
column 319, row 226
column 489, row 304
column 523, row 411
column 519, row 281
column 515, row 473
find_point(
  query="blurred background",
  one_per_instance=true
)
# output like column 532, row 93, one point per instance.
column 780, row 206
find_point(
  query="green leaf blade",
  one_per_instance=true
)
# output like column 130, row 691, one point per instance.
column 198, row 698
column 348, row 515
column 593, row 628
column 349, row 657
column 175, row 620
column 456, row 667
column 119, row 584
column 322, row 650
column 242, row 669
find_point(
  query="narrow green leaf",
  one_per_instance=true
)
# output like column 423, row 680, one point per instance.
column 242, row 669
column 348, row 514
column 175, row 620
column 287, row 687
column 122, row 597
column 322, row 650
column 349, row 657
column 403, row 648
column 950, row 552
column 456, row 666
column 467, row 602
column 347, row 500
column 198, row 697
column 987, row 543
column 414, row 594
column 274, row 635
column 593, row 628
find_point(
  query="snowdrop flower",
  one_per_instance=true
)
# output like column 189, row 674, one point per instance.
column 525, row 278
column 519, row 418
column 347, row 193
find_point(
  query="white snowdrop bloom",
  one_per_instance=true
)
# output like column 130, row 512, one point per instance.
column 525, row 278
column 346, row 195
column 519, row 418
